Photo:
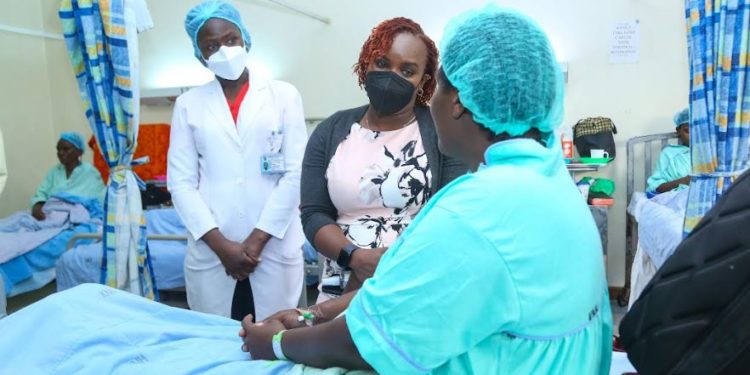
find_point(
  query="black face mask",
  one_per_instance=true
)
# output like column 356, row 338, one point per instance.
column 388, row 92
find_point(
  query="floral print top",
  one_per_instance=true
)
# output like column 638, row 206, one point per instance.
column 378, row 182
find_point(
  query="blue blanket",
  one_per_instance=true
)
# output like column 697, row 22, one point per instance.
column 94, row 329
column 19, row 272
column 33, row 269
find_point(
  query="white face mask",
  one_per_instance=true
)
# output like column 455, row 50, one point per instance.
column 228, row 62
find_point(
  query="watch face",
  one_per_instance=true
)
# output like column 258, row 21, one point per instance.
column 343, row 259
column 345, row 255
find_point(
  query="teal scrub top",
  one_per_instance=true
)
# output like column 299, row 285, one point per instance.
column 674, row 163
column 500, row 273
column 85, row 182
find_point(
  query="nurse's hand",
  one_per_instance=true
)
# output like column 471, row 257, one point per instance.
column 365, row 261
column 236, row 263
column 253, row 253
column 254, row 244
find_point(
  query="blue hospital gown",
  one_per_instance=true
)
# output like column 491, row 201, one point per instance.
column 84, row 182
column 501, row 273
column 674, row 163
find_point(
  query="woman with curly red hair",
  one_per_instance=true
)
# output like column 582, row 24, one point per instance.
column 368, row 171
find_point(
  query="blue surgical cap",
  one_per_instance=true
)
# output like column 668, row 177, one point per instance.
column 504, row 69
column 681, row 117
column 206, row 10
column 73, row 138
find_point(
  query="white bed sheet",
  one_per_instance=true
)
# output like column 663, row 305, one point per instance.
column 660, row 221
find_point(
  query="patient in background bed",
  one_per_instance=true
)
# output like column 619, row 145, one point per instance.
column 68, row 198
column 72, row 176
column 673, row 169
column 660, row 217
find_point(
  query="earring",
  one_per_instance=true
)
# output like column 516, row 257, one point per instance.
column 420, row 92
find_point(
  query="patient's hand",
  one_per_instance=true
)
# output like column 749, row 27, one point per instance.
column 258, row 336
column 684, row 181
column 37, row 212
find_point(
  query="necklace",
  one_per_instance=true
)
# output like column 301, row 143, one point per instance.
column 366, row 124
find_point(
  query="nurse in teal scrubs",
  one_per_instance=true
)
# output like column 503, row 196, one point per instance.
column 501, row 272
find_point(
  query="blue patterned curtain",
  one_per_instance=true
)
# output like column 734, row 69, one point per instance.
column 101, row 39
column 718, row 41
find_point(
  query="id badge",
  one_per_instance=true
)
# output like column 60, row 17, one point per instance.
column 272, row 163
column 274, row 142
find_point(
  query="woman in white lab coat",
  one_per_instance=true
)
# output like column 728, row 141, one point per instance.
column 235, row 155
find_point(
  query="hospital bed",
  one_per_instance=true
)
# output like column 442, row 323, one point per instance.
column 98, row 330
column 642, row 155
column 36, row 268
column 167, row 242
column 167, row 238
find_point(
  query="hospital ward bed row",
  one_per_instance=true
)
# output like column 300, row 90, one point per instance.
column 81, row 263
column 49, row 259
column 36, row 268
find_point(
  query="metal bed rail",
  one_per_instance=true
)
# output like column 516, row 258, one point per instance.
column 98, row 236
column 311, row 269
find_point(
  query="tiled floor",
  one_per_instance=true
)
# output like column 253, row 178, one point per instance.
column 18, row 302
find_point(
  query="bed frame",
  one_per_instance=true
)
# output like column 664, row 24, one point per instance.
column 158, row 237
column 641, row 162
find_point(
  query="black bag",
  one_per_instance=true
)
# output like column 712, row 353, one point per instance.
column 694, row 315
column 155, row 196
column 595, row 133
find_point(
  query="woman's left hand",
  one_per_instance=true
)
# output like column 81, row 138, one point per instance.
column 254, row 244
column 253, row 252
column 258, row 337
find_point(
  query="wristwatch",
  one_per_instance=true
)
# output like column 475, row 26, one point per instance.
column 345, row 255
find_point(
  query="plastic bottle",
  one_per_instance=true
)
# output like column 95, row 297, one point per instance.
column 567, row 142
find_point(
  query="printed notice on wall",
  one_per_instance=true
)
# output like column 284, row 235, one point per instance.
column 624, row 42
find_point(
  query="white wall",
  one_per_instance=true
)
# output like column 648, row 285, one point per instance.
column 25, row 105
column 318, row 58
column 68, row 112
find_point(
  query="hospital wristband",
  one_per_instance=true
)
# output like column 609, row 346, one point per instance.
column 276, row 344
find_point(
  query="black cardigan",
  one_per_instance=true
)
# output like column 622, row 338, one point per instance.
column 316, row 207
